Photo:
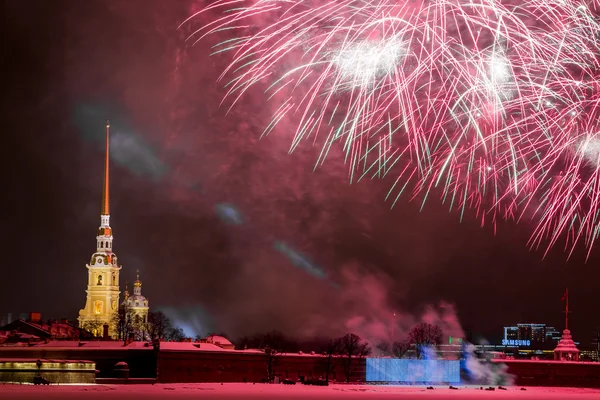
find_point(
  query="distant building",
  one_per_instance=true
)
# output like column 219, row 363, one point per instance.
column 535, row 336
column 34, row 330
column 588, row 355
column 552, row 335
column 220, row 341
column 511, row 333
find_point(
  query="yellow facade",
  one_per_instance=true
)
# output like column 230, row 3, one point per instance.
column 102, row 292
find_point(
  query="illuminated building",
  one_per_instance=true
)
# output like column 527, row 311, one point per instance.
column 137, row 303
column 552, row 335
column 511, row 333
column 536, row 335
column 103, row 270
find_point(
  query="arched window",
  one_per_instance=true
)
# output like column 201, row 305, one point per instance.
column 101, row 245
column 137, row 319
column 145, row 319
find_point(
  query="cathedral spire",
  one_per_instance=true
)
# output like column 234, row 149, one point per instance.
column 105, row 187
column 102, row 294
column 104, row 237
column 137, row 285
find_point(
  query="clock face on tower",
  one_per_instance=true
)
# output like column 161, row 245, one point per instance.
column 99, row 261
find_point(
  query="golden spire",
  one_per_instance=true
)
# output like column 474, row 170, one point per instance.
column 137, row 282
column 105, row 194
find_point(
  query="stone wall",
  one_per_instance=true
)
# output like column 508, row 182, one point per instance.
column 554, row 373
column 142, row 362
column 198, row 366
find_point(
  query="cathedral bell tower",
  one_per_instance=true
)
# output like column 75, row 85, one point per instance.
column 102, row 299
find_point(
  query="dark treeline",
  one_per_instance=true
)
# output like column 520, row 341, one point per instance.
column 420, row 336
column 282, row 342
column 344, row 350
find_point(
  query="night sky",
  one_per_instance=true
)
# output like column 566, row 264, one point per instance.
column 199, row 201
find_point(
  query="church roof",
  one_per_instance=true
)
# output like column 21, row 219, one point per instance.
column 137, row 297
column 566, row 344
column 216, row 339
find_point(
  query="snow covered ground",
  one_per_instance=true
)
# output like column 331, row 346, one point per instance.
column 261, row 391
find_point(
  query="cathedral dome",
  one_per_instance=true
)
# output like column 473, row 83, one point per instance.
column 137, row 300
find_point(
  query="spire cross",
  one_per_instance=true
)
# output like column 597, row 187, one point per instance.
column 137, row 271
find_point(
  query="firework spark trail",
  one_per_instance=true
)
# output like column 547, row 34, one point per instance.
column 490, row 104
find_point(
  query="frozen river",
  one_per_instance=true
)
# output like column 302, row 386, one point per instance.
column 261, row 391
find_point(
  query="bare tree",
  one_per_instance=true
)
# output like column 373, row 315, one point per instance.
column 94, row 326
column 175, row 334
column 352, row 349
column 331, row 349
column 140, row 328
column 158, row 325
column 272, row 343
column 124, row 322
column 272, row 358
column 385, row 349
column 425, row 335
column 399, row 349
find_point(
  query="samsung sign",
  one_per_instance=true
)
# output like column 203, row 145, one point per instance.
column 524, row 343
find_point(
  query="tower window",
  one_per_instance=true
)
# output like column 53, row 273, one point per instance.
column 101, row 245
